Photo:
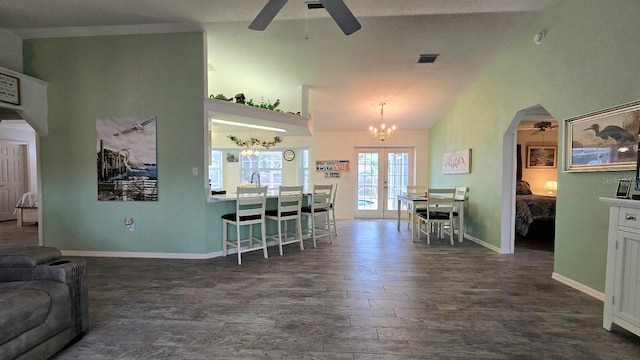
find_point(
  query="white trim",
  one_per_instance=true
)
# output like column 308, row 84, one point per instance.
column 485, row 244
column 148, row 255
column 126, row 254
column 578, row 286
column 107, row 30
column 508, row 204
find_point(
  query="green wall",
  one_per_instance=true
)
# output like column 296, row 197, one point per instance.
column 110, row 76
column 587, row 62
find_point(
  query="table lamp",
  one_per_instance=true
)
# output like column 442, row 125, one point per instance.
column 551, row 185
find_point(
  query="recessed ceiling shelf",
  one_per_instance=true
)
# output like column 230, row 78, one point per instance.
column 294, row 125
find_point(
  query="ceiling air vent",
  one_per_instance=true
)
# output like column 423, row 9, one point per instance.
column 314, row 5
column 427, row 58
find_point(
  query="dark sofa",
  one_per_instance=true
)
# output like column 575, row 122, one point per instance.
column 43, row 302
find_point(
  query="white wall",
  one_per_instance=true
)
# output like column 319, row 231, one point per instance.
column 334, row 145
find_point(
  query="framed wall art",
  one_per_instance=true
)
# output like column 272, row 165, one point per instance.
column 9, row 89
column 541, row 157
column 624, row 186
column 605, row 140
column 458, row 162
column 332, row 165
column 126, row 153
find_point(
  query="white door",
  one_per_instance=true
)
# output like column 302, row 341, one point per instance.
column 12, row 177
column 383, row 173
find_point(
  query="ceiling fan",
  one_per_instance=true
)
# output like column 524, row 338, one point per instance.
column 336, row 8
column 540, row 126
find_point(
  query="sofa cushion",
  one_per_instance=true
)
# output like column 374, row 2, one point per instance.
column 21, row 310
column 58, row 319
column 28, row 256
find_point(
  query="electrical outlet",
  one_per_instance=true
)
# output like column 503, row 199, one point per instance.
column 128, row 222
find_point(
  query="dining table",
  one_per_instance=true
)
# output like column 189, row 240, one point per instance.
column 417, row 201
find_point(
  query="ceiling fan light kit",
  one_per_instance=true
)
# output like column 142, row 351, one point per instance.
column 542, row 125
column 337, row 9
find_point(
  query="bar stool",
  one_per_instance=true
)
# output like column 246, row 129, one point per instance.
column 320, row 202
column 289, row 205
column 250, row 211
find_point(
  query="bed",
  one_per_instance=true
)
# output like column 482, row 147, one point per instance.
column 533, row 210
column 26, row 210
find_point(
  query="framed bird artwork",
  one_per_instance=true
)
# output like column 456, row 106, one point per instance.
column 605, row 140
column 127, row 158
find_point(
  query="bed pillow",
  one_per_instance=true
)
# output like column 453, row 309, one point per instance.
column 522, row 188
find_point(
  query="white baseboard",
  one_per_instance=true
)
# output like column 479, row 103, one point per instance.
column 149, row 255
column 485, row 244
column 578, row 286
column 126, row 254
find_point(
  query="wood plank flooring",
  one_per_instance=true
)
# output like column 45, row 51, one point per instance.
column 372, row 294
column 12, row 235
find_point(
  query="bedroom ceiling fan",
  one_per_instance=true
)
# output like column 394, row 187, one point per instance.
column 540, row 126
column 336, row 8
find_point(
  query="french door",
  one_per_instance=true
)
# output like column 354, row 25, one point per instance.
column 383, row 173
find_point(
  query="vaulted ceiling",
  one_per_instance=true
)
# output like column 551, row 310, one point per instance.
column 348, row 76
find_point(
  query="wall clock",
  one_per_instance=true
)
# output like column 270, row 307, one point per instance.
column 288, row 155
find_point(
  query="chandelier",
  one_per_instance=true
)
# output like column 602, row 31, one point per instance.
column 383, row 133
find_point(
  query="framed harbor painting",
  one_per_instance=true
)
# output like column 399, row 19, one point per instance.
column 605, row 140
column 126, row 155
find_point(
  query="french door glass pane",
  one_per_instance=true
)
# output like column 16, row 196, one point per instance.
column 368, row 181
column 397, row 177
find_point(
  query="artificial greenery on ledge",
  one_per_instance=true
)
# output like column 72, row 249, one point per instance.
column 255, row 142
column 240, row 99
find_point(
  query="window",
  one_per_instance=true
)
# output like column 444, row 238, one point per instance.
column 268, row 164
column 304, row 168
column 215, row 170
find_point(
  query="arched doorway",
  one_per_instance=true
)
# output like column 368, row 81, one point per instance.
column 536, row 117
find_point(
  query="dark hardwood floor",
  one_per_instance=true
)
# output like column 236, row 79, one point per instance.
column 372, row 294
column 12, row 235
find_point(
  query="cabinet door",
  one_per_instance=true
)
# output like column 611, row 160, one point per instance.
column 626, row 304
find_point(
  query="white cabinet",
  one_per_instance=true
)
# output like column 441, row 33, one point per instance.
column 622, row 289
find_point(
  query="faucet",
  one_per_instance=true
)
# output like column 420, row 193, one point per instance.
column 256, row 174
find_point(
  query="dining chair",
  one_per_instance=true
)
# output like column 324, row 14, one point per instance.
column 415, row 190
column 319, row 205
column 289, row 210
column 461, row 193
column 332, row 208
column 439, row 212
column 250, row 211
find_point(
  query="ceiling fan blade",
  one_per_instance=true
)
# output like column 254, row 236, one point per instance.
column 342, row 16
column 267, row 14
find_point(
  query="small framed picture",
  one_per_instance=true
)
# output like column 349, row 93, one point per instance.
column 540, row 157
column 624, row 185
column 9, row 89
